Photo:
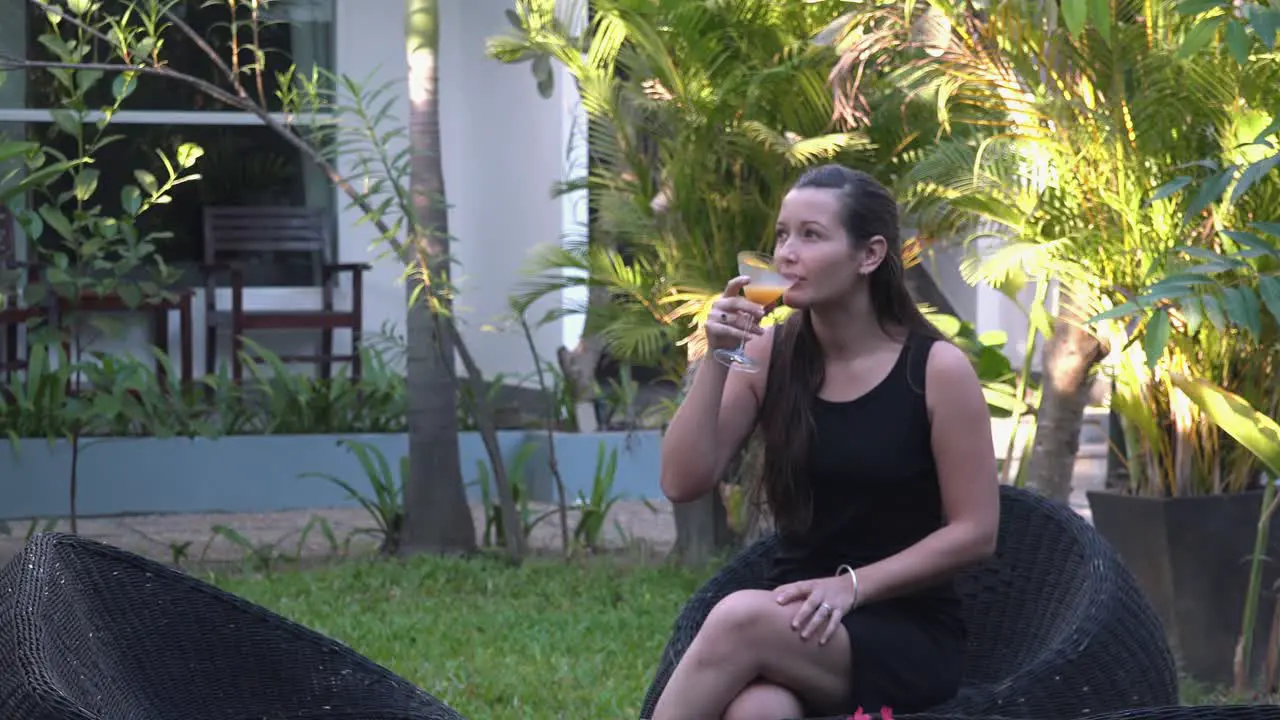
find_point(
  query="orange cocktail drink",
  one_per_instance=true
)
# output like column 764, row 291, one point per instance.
column 763, row 295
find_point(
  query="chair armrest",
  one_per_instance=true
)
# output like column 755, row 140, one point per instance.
column 216, row 268
column 1098, row 646
column 1111, row 649
column 330, row 268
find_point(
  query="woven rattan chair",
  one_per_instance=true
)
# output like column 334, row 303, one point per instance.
column 1057, row 626
column 91, row 632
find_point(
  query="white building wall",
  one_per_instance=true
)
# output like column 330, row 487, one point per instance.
column 987, row 308
column 503, row 150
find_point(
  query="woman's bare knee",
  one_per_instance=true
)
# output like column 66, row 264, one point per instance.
column 749, row 631
column 732, row 625
column 764, row 701
column 724, row 658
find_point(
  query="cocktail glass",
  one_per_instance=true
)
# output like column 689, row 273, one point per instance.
column 765, row 289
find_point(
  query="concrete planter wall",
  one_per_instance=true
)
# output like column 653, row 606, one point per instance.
column 260, row 473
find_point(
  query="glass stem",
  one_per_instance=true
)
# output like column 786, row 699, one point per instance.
column 742, row 344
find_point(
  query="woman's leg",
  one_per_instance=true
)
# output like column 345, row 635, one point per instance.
column 765, row 701
column 747, row 636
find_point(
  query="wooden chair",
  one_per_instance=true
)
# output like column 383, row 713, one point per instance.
column 8, row 243
column 16, row 309
column 8, row 235
column 17, row 314
column 231, row 231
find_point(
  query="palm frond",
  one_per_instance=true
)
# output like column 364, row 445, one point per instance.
column 700, row 116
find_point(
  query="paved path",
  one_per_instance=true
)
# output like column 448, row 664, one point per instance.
column 218, row 538
column 310, row 534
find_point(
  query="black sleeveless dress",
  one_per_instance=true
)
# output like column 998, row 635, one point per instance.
column 875, row 492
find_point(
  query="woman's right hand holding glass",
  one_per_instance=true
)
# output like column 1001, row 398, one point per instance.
column 733, row 319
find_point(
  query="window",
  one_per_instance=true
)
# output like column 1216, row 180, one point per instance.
column 245, row 162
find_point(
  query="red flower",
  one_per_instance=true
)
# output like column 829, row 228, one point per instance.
column 886, row 713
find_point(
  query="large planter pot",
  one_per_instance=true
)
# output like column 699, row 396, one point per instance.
column 1190, row 555
column 264, row 473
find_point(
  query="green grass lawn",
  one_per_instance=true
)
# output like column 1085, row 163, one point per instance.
column 547, row 640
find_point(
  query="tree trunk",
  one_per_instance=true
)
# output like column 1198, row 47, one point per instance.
column 702, row 526
column 756, row 520
column 437, row 516
column 702, row 530
column 1069, row 358
column 484, row 416
column 578, row 366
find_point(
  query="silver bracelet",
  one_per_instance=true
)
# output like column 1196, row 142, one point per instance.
column 853, row 578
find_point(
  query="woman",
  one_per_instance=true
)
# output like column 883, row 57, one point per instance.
column 878, row 464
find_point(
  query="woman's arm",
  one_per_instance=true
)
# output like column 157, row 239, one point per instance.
column 967, row 477
column 709, row 426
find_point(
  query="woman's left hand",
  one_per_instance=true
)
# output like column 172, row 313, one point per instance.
column 825, row 602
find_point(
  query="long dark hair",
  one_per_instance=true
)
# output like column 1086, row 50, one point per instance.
column 796, row 367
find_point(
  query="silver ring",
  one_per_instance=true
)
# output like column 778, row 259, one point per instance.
column 824, row 606
column 724, row 317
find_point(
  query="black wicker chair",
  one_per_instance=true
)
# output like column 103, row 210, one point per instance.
column 91, row 632
column 1058, row 628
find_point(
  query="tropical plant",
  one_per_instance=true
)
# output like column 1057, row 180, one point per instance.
column 685, row 177
column 385, row 507
column 272, row 401
column 561, row 407
column 1226, row 288
column 1213, row 314
column 594, row 508
column 88, row 251
column 285, row 402
column 699, row 116
column 495, row 531
column 1211, row 307
column 1074, row 116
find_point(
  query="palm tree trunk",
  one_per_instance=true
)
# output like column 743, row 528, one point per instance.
column 1069, row 358
column 437, row 516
